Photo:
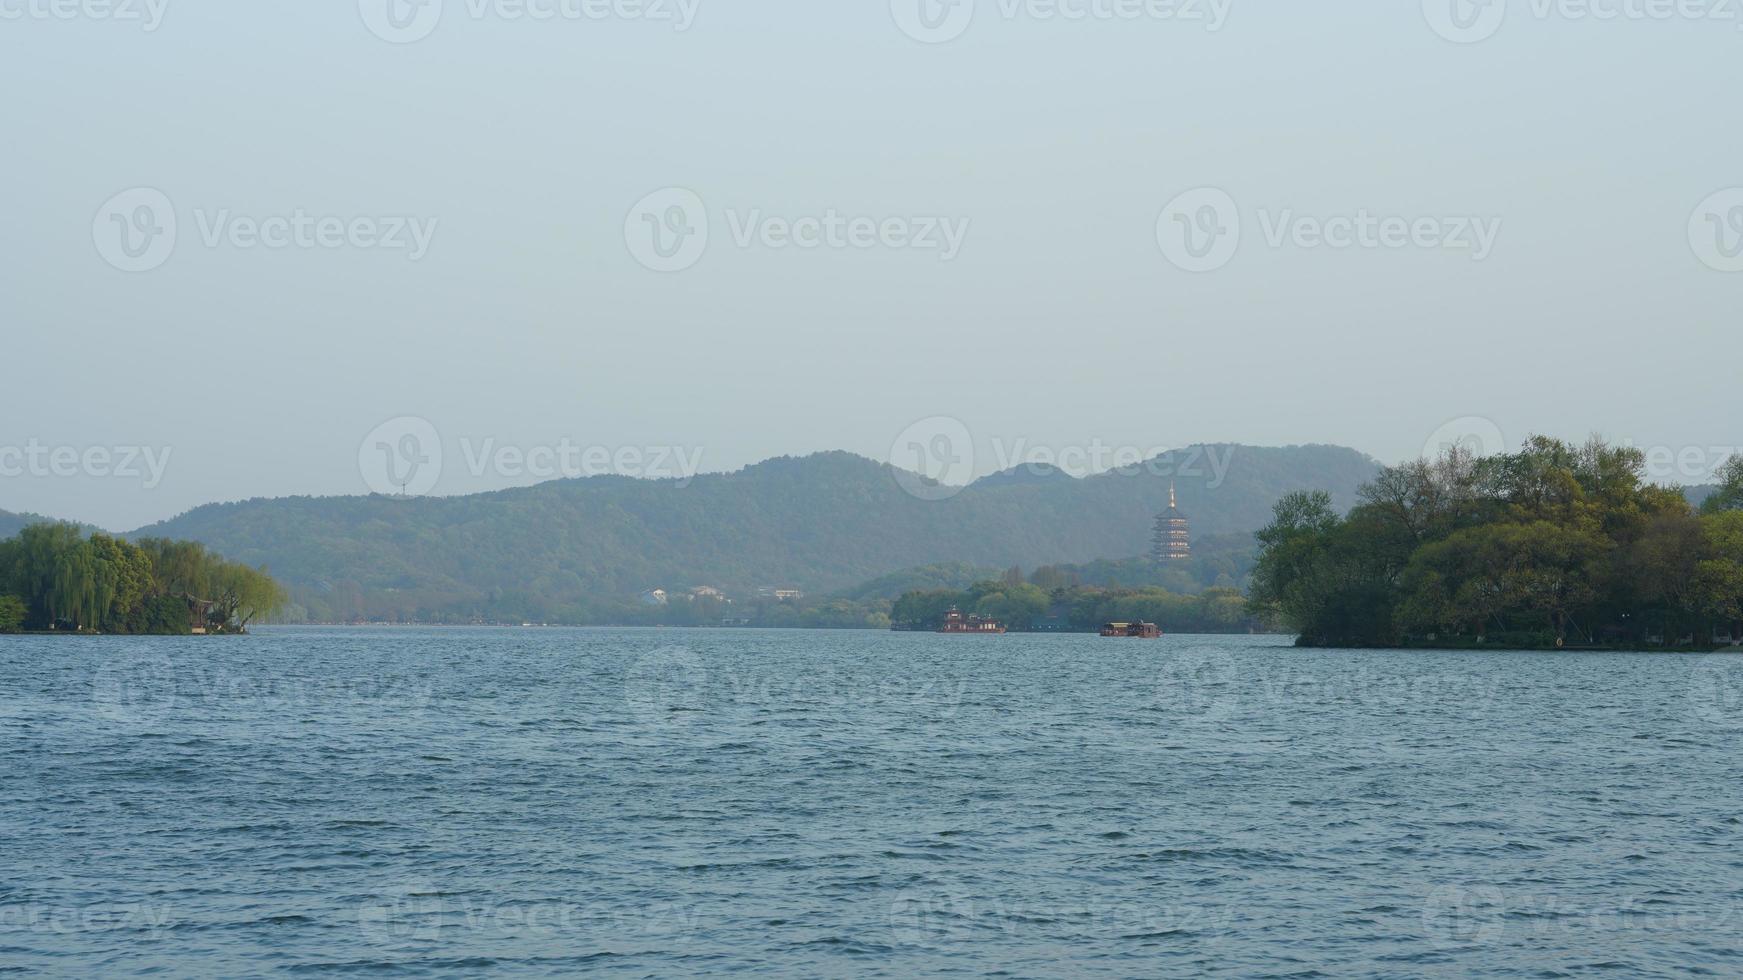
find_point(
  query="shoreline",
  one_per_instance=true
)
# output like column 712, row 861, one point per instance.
column 1694, row 651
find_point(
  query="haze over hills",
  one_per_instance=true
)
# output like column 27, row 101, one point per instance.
column 819, row 523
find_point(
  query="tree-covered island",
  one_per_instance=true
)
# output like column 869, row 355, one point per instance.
column 53, row 578
column 1553, row 546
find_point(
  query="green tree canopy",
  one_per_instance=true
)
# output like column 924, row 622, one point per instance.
column 1553, row 543
column 104, row 584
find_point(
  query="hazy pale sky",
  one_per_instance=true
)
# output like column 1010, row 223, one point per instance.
column 1002, row 212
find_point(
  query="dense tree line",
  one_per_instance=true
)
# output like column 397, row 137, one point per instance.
column 1553, row 545
column 1045, row 600
column 1218, row 561
column 54, row 577
column 806, row 613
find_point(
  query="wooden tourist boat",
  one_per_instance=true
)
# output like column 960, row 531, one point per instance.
column 956, row 622
column 1136, row 631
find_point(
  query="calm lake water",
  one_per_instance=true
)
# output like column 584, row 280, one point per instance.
column 644, row 803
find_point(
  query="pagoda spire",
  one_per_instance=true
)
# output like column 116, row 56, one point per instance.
column 1172, row 538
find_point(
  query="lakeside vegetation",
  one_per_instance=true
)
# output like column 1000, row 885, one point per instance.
column 1553, row 546
column 1068, row 598
column 54, row 578
column 1051, row 600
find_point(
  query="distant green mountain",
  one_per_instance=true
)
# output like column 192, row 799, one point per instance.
column 11, row 524
column 562, row 551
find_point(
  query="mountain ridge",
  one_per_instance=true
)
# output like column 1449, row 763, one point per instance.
column 823, row 522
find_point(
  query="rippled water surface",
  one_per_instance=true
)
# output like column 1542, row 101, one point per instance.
column 554, row 802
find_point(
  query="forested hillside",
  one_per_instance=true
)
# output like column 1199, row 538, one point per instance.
column 569, row 550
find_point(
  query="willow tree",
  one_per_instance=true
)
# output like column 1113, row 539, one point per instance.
column 81, row 587
column 244, row 594
column 130, row 581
